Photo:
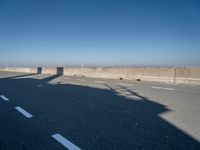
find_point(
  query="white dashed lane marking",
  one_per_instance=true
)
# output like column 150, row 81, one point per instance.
column 156, row 87
column 125, row 84
column 66, row 143
column 4, row 98
column 80, row 80
column 67, row 78
column 99, row 81
column 22, row 111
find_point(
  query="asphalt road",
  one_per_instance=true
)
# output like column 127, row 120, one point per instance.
column 44, row 112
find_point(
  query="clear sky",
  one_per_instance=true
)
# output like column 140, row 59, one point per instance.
column 100, row 32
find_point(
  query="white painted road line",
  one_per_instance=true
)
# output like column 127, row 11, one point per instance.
column 80, row 80
column 67, row 78
column 22, row 111
column 125, row 84
column 156, row 87
column 62, row 83
column 99, row 81
column 66, row 143
column 4, row 98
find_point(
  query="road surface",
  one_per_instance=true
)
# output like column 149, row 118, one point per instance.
column 40, row 112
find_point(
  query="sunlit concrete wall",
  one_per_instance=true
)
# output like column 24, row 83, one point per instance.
column 189, row 75
column 17, row 69
column 53, row 71
column 49, row 70
column 147, row 74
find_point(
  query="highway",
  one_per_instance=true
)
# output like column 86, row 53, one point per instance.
column 52, row 112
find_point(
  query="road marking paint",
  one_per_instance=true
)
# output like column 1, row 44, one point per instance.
column 125, row 92
column 4, row 98
column 62, row 83
column 80, row 80
column 68, row 78
column 22, row 111
column 156, row 87
column 125, row 84
column 193, row 85
column 66, row 143
column 99, row 81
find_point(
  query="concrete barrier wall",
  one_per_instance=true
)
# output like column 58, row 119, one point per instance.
column 188, row 75
column 158, row 74
column 49, row 70
column 24, row 70
column 148, row 74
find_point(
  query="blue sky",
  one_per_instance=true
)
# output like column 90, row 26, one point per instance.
column 100, row 32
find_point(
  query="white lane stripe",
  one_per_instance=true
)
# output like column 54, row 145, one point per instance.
column 99, row 81
column 125, row 93
column 4, row 98
column 67, row 78
column 156, row 87
column 125, row 84
column 22, row 111
column 62, row 83
column 66, row 143
column 80, row 80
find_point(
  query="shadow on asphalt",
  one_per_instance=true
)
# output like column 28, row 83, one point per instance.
column 92, row 118
column 19, row 76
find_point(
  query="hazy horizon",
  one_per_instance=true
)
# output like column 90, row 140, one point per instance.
column 100, row 33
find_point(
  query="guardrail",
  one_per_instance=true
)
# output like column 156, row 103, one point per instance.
column 185, row 75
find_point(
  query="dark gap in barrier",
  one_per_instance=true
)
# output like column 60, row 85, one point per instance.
column 39, row 70
column 59, row 71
